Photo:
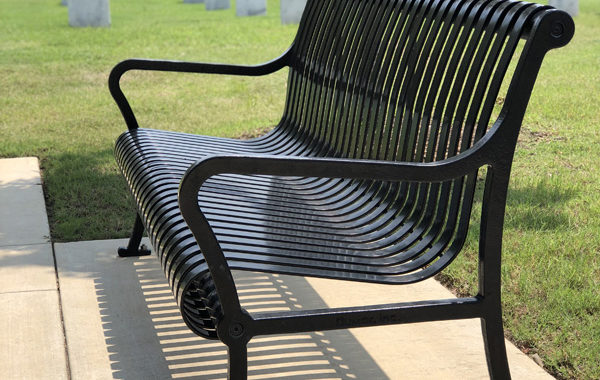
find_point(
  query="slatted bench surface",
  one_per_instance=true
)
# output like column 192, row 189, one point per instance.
column 410, row 81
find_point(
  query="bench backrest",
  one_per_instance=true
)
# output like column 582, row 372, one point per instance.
column 407, row 80
column 412, row 80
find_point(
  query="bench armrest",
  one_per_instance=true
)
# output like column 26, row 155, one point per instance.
column 294, row 166
column 182, row 67
column 465, row 163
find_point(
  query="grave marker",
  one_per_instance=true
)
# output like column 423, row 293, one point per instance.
column 569, row 6
column 83, row 13
column 291, row 11
column 250, row 7
column 212, row 5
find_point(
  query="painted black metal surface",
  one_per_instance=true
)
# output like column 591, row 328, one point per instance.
column 369, row 176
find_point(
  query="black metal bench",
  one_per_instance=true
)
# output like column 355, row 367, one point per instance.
column 369, row 176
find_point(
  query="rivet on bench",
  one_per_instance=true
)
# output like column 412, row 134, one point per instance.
column 236, row 330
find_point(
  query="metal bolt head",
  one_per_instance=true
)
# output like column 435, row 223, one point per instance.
column 558, row 29
column 236, row 330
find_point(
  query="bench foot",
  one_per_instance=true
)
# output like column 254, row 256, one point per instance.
column 127, row 252
column 133, row 247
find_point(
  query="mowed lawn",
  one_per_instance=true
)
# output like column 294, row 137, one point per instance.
column 55, row 104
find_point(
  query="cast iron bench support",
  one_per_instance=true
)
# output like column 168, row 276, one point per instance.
column 133, row 248
column 369, row 176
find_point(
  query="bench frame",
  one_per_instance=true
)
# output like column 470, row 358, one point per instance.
column 495, row 150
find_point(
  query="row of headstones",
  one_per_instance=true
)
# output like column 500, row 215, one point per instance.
column 97, row 12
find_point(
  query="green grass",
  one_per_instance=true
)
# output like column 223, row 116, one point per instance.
column 55, row 104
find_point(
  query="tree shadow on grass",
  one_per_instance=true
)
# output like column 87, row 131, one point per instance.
column 86, row 196
column 538, row 207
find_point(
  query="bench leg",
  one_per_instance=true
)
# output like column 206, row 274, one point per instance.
column 133, row 247
column 495, row 349
column 237, row 362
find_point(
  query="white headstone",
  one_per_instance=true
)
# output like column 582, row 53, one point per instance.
column 291, row 11
column 569, row 6
column 250, row 7
column 84, row 13
column 212, row 5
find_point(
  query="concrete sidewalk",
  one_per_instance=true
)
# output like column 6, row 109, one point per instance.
column 120, row 319
column 31, row 331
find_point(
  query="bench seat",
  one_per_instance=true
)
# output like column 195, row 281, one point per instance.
column 334, row 228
